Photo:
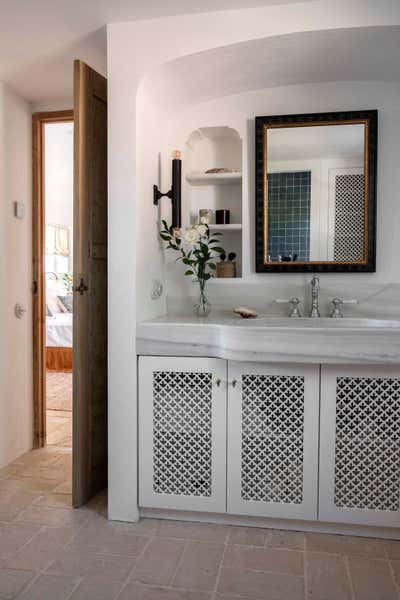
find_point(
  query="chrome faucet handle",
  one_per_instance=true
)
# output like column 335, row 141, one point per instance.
column 314, row 312
column 337, row 304
column 294, row 311
column 315, row 281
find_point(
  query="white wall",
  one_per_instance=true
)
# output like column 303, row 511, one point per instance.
column 133, row 54
column 238, row 111
column 16, row 408
column 59, row 173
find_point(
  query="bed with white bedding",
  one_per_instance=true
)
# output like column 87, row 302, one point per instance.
column 59, row 330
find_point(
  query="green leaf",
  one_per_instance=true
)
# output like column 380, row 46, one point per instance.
column 207, row 276
column 165, row 224
column 166, row 238
column 212, row 266
column 219, row 250
column 188, row 272
column 187, row 261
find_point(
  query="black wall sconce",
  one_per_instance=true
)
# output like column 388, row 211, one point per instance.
column 175, row 192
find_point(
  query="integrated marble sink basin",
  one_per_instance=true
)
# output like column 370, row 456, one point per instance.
column 322, row 323
column 273, row 339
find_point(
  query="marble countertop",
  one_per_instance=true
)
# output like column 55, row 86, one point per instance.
column 272, row 339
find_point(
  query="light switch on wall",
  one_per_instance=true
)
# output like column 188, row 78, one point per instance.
column 19, row 210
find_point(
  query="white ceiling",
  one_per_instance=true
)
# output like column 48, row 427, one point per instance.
column 369, row 53
column 39, row 39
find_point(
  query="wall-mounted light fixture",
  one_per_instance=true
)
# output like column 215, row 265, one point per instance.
column 175, row 192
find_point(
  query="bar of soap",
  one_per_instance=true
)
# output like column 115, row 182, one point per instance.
column 245, row 313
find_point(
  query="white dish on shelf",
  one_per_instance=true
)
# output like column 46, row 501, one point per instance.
column 199, row 178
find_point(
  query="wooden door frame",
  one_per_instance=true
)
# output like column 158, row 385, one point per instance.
column 39, row 120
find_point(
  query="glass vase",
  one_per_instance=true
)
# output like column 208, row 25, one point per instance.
column 203, row 307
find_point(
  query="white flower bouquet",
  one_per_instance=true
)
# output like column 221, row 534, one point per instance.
column 198, row 252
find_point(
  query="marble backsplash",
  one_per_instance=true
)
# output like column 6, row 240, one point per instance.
column 375, row 300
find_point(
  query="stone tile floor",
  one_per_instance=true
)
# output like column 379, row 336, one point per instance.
column 48, row 551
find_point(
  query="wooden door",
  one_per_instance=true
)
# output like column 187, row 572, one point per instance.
column 182, row 433
column 273, row 413
column 360, row 445
column 90, row 285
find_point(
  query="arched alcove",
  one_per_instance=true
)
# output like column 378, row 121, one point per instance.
column 211, row 148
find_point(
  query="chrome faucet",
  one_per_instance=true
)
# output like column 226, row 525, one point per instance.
column 314, row 313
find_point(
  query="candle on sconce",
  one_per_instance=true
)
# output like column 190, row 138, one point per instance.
column 175, row 192
column 176, row 189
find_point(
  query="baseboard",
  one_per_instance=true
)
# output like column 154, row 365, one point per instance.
column 287, row 524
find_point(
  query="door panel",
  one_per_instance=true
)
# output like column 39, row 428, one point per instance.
column 273, row 440
column 360, row 445
column 90, row 285
column 182, row 433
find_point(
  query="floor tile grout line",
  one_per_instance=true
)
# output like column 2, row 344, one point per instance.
column 75, row 588
column 349, row 577
column 218, row 578
column 180, row 562
column 393, row 576
column 26, row 543
column 42, row 571
column 128, row 580
column 270, row 548
column 305, row 571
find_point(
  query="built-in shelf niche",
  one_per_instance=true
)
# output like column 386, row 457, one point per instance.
column 208, row 148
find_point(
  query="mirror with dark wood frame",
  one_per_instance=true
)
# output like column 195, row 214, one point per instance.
column 316, row 192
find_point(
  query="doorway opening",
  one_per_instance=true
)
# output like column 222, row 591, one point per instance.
column 53, row 160
column 58, row 200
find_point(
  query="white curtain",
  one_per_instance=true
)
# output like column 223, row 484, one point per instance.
column 58, row 240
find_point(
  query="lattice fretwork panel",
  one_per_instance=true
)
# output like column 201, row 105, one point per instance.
column 367, row 454
column 272, row 438
column 182, row 431
column 349, row 217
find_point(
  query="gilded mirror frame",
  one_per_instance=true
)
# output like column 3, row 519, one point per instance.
column 369, row 118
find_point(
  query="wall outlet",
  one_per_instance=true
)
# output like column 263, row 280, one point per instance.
column 156, row 289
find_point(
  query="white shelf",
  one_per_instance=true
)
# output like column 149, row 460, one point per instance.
column 230, row 227
column 213, row 178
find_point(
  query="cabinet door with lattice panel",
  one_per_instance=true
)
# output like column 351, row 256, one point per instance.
column 360, row 445
column 182, row 433
column 273, row 440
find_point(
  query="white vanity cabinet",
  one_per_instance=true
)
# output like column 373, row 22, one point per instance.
column 182, row 433
column 360, row 445
column 191, row 410
column 286, row 441
column 273, row 415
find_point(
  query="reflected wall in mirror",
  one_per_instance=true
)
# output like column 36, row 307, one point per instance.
column 315, row 192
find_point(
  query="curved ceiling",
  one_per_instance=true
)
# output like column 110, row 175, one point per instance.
column 356, row 54
column 40, row 38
